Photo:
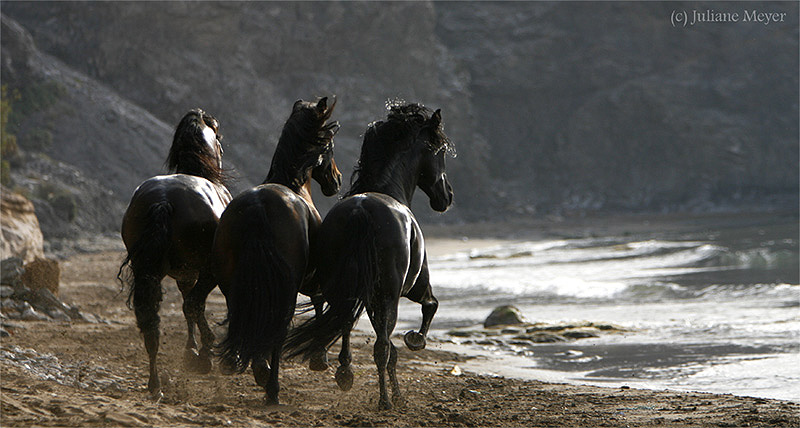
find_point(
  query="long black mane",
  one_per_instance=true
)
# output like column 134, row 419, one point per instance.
column 385, row 140
column 190, row 153
column 305, row 137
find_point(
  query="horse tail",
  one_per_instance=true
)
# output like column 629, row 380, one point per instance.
column 347, row 291
column 145, row 263
column 260, row 301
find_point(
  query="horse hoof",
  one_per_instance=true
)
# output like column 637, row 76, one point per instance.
column 261, row 374
column 154, row 388
column 190, row 354
column 398, row 400
column 384, row 404
column 344, row 378
column 414, row 341
column 198, row 363
column 318, row 363
column 226, row 368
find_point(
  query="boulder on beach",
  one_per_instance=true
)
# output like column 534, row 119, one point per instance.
column 42, row 273
column 22, row 236
column 504, row 315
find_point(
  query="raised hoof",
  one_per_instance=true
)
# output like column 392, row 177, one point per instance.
column 318, row 363
column 197, row 363
column 344, row 378
column 414, row 341
column 261, row 375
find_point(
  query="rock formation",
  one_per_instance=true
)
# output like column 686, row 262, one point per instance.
column 21, row 234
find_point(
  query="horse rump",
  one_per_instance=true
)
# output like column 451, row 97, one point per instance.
column 260, row 302
column 145, row 261
column 347, row 290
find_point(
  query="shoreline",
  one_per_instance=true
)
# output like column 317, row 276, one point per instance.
column 486, row 363
column 664, row 227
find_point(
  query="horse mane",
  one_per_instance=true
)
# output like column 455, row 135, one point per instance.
column 385, row 140
column 305, row 136
column 190, row 153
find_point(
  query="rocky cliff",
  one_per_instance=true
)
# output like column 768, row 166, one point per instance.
column 554, row 107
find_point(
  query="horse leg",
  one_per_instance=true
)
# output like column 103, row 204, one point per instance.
column 190, row 351
column 147, row 296
column 344, row 374
column 272, row 388
column 397, row 395
column 380, row 353
column 413, row 340
column 319, row 361
column 383, row 320
column 194, row 308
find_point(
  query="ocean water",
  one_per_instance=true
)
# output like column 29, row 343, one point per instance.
column 710, row 305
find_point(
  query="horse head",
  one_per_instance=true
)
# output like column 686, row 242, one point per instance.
column 326, row 173
column 432, row 176
column 404, row 152
column 213, row 140
column 196, row 148
column 317, row 140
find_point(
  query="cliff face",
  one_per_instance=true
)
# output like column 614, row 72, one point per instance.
column 553, row 107
column 607, row 105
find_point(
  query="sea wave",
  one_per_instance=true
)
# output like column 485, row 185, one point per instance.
column 602, row 269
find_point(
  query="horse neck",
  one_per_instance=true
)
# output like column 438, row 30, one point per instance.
column 398, row 180
column 280, row 173
column 305, row 193
column 287, row 163
column 297, row 183
column 191, row 165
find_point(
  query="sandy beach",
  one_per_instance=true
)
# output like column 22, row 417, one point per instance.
column 94, row 374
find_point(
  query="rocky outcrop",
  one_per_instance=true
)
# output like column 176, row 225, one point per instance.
column 22, row 236
column 28, row 281
column 529, row 335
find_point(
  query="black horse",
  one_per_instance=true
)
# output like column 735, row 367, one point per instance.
column 370, row 251
column 168, row 229
column 261, row 246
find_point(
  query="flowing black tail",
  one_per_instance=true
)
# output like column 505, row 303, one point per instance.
column 146, row 262
column 347, row 290
column 260, row 301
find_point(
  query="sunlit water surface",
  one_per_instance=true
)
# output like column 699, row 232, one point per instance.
column 710, row 309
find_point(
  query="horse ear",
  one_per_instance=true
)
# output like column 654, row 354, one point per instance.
column 297, row 105
column 436, row 117
column 322, row 105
